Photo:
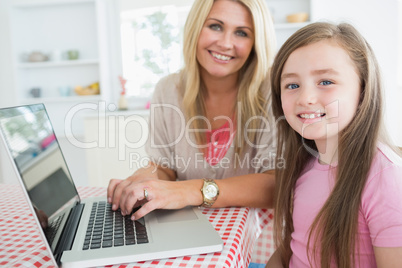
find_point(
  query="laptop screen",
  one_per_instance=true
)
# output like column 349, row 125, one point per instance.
column 33, row 146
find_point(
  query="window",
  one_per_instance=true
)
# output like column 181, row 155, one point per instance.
column 151, row 43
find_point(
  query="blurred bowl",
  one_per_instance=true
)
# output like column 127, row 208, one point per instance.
column 297, row 17
column 83, row 91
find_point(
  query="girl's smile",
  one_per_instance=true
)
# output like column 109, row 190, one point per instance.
column 310, row 117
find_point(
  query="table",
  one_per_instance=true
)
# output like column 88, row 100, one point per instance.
column 21, row 244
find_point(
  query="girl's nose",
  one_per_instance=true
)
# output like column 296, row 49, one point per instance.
column 307, row 97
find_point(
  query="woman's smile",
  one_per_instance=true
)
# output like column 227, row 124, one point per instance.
column 220, row 57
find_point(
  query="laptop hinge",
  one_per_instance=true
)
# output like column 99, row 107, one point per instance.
column 70, row 229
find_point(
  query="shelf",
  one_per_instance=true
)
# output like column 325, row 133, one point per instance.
column 74, row 98
column 285, row 26
column 49, row 64
column 39, row 3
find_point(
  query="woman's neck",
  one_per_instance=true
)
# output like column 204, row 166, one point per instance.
column 220, row 98
column 219, row 86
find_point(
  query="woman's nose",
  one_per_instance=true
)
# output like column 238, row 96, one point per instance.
column 225, row 41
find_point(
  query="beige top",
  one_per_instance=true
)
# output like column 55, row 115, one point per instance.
column 172, row 145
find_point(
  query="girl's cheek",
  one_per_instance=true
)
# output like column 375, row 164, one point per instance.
column 286, row 106
column 332, row 110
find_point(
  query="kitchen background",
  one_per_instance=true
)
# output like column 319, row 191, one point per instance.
column 81, row 57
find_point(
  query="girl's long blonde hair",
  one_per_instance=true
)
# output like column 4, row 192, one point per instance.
column 252, row 75
column 334, row 230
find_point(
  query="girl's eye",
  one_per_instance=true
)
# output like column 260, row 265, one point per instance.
column 215, row 27
column 292, row 86
column 241, row 33
column 326, row 83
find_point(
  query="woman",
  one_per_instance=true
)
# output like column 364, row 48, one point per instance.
column 212, row 139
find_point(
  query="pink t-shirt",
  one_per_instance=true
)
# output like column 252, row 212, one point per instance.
column 380, row 215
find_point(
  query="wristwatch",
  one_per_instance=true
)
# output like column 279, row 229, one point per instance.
column 210, row 192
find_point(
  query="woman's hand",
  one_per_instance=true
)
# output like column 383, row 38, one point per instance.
column 275, row 261
column 116, row 186
column 161, row 194
column 388, row 257
column 150, row 172
column 162, row 191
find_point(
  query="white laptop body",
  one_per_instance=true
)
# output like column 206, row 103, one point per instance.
column 40, row 166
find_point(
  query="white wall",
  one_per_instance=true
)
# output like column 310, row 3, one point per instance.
column 378, row 22
column 129, row 4
column 7, row 95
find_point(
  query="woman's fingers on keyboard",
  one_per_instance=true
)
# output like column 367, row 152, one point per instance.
column 113, row 183
column 132, row 194
column 144, row 210
column 119, row 193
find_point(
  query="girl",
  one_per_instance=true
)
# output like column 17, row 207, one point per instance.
column 338, row 202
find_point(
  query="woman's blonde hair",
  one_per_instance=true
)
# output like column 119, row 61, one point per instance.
column 252, row 75
column 335, row 227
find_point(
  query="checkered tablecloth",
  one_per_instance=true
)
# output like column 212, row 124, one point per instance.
column 264, row 246
column 21, row 244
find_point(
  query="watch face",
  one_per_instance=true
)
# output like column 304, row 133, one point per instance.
column 210, row 192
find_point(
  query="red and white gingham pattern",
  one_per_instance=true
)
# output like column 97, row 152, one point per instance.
column 21, row 244
column 264, row 246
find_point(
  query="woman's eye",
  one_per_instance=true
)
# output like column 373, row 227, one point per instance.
column 215, row 27
column 241, row 33
column 292, row 86
column 326, row 83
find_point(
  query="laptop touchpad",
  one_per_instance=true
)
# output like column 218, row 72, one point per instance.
column 186, row 214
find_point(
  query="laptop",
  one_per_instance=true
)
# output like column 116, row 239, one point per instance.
column 84, row 233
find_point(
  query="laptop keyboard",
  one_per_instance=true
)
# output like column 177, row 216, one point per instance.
column 108, row 228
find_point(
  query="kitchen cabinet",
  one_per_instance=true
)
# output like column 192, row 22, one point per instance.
column 114, row 144
column 43, row 34
column 280, row 9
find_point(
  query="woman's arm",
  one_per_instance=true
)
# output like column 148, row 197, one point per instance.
column 274, row 261
column 254, row 190
column 157, row 172
column 388, row 257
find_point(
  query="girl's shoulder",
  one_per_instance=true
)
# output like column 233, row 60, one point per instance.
column 381, row 199
column 387, row 156
column 386, row 163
